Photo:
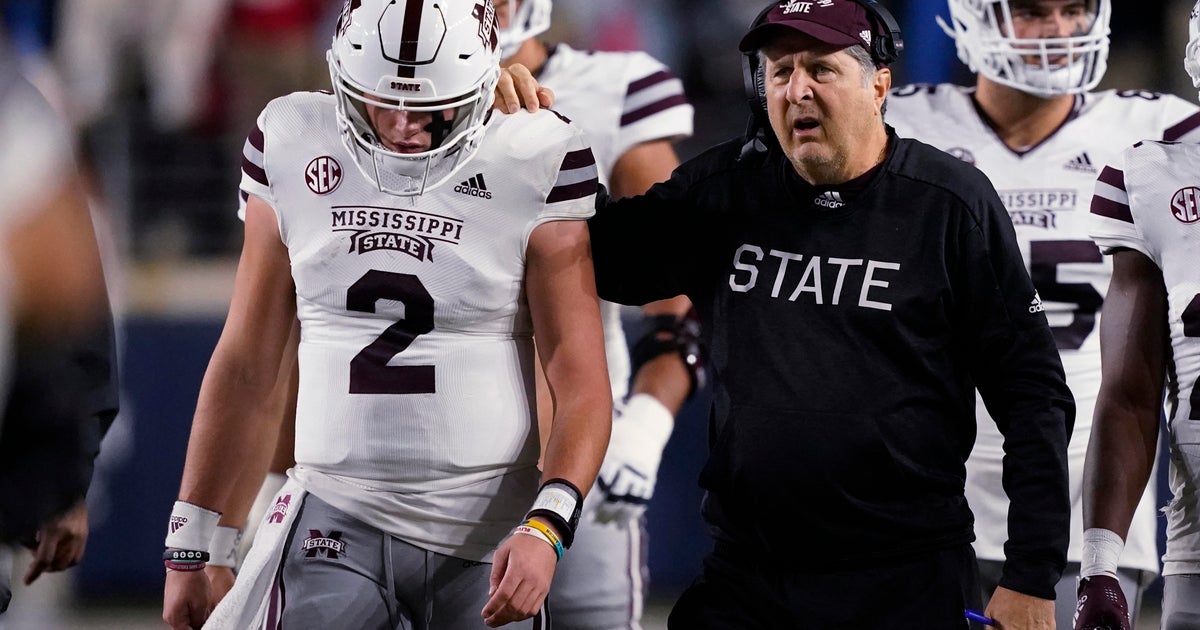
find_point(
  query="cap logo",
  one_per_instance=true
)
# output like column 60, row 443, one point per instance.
column 793, row 6
column 865, row 36
column 824, row 3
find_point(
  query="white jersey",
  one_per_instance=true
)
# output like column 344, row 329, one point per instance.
column 1149, row 201
column 620, row 99
column 1047, row 190
column 416, row 355
column 35, row 160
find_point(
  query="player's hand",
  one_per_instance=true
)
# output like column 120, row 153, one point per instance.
column 521, row 573
column 517, row 87
column 220, row 581
column 1017, row 611
column 640, row 430
column 1101, row 604
column 60, row 542
column 187, row 600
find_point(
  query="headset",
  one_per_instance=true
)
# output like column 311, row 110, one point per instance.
column 886, row 47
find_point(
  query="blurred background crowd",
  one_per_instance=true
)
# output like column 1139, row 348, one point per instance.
column 161, row 94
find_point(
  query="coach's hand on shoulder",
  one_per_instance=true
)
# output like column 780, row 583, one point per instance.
column 517, row 87
column 522, row 570
column 1017, row 611
column 187, row 600
column 640, row 430
column 1101, row 604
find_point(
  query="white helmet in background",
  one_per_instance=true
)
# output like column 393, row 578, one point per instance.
column 415, row 56
column 1191, row 54
column 982, row 31
column 529, row 19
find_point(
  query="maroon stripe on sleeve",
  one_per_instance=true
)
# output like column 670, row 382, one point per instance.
column 254, row 171
column 628, row 118
column 577, row 159
column 649, row 80
column 256, row 138
column 1106, row 207
column 1182, row 128
column 1113, row 177
column 573, row 191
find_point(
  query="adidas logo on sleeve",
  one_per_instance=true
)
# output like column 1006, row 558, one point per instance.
column 475, row 187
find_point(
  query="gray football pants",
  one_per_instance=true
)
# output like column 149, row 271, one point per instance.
column 1181, row 602
column 338, row 572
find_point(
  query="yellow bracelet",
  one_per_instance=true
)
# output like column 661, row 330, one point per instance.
column 550, row 535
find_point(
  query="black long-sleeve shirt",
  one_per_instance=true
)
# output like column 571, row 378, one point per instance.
column 847, row 343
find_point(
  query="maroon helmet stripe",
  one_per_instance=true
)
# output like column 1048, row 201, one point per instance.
column 409, row 37
column 1114, row 210
column 674, row 100
column 573, row 191
column 647, row 81
column 1113, row 177
column 1182, row 128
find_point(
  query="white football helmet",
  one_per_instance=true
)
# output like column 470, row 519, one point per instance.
column 528, row 19
column 1191, row 54
column 982, row 31
column 415, row 56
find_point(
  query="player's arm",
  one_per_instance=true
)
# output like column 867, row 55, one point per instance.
column 236, row 387
column 566, row 320
column 276, row 427
column 1124, row 439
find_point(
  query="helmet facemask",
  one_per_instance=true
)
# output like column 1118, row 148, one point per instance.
column 446, row 65
column 1191, row 54
column 526, row 18
column 984, row 34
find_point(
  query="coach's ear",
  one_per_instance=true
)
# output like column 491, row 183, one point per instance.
column 517, row 87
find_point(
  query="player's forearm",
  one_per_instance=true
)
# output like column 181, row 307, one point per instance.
column 1119, row 461
column 579, row 437
column 229, row 416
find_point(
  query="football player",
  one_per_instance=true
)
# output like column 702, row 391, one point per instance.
column 416, row 500
column 1144, row 216
column 632, row 108
column 1033, row 124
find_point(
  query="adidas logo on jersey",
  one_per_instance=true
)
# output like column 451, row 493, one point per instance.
column 831, row 199
column 1081, row 163
column 474, row 187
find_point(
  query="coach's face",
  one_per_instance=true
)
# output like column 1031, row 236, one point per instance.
column 824, row 107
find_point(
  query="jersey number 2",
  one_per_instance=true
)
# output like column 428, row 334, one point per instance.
column 369, row 370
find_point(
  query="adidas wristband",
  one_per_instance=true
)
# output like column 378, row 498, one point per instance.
column 559, row 502
column 191, row 526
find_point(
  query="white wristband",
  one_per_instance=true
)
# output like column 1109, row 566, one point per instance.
column 223, row 548
column 191, row 526
column 1101, row 551
column 654, row 418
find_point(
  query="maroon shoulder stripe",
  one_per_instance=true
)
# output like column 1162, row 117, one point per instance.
column 577, row 190
column 254, row 171
column 628, row 118
column 1106, row 207
column 1113, row 177
column 577, row 159
column 1182, row 128
column 649, row 80
column 256, row 138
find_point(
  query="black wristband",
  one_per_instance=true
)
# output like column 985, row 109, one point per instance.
column 560, row 503
column 184, row 555
column 668, row 334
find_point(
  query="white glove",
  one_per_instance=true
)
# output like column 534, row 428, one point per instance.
column 640, row 430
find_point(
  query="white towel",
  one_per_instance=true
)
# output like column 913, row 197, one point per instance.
column 246, row 605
